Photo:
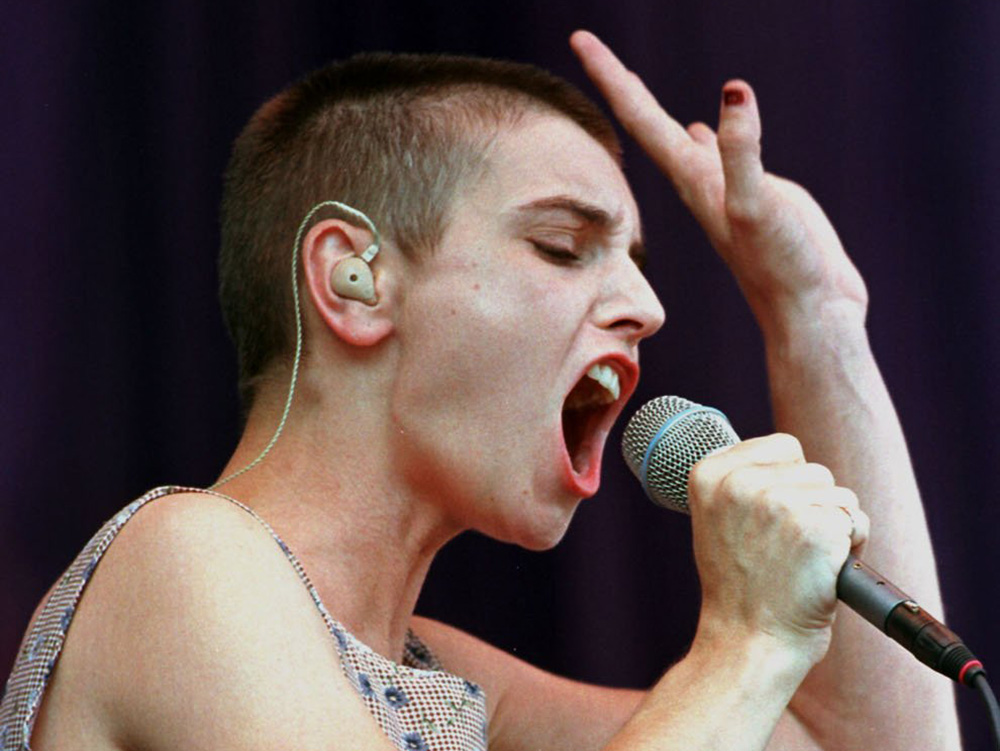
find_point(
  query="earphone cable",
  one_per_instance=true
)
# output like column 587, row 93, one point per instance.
column 369, row 253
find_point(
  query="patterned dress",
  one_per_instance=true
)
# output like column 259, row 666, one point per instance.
column 419, row 706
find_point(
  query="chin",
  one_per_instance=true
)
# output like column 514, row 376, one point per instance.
column 539, row 544
column 540, row 526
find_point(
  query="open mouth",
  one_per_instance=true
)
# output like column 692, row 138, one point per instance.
column 586, row 416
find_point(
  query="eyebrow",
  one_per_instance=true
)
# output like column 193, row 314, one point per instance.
column 588, row 212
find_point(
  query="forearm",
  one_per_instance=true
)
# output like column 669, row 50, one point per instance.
column 727, row 693
column 827, row 390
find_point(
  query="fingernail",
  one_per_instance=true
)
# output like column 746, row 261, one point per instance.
column 732, row 97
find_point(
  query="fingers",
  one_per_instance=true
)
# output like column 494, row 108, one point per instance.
column 773, row 449
column 769, row 476
column 771, row 533
column 739, row 146
column 690, row 157
column 702, row 134
column 860, row 524
column 662, row 137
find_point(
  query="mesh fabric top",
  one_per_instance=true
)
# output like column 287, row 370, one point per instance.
column 416, row 704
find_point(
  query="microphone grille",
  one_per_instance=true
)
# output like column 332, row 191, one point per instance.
column 665, row 439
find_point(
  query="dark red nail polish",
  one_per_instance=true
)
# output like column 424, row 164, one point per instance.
column 732, row 97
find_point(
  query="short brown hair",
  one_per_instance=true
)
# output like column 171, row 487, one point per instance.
column 393, row 135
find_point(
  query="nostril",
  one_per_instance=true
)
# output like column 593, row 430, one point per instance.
column 627, row 325
column 638, row 327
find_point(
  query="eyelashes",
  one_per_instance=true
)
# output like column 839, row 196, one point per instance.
column 564, row 256
column 556, row 253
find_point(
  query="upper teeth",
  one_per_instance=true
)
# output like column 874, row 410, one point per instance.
column 608, row 378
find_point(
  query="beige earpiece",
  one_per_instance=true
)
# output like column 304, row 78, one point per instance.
column 352, row 278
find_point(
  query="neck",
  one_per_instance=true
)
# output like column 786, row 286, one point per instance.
column 327, row 489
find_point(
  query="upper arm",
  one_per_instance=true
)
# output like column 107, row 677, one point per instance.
column 204, row 637
column 531, row 708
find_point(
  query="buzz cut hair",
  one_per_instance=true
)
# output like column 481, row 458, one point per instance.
column 394, row 135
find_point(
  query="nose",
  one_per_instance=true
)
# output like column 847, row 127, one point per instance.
column 628, row 303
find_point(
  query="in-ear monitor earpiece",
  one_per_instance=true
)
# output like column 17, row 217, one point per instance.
column 352, row 279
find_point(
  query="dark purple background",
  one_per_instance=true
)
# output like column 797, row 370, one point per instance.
column 118, row 376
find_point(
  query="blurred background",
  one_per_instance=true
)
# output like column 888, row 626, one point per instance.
column 118, row 376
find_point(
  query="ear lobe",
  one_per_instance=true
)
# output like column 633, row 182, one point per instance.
column 346, row 294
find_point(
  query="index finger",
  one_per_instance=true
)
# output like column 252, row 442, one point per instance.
column 662, row 137
column 772, row 450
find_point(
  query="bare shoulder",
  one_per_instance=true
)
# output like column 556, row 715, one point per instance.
column 195, row 632
column 530, row 707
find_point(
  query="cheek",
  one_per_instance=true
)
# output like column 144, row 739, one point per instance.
column 482, row 347
column 467, row 332
column 467, row 384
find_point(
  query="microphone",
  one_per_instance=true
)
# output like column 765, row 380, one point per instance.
column 669, row 435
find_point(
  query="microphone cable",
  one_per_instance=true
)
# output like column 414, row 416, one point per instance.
column 982, row 686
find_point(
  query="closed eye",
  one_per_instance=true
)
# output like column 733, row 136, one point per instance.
column 556, row 253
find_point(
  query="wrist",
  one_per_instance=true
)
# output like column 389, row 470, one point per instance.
column 807, row 327
column 756, row 659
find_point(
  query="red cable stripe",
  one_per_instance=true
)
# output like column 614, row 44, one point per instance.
column 965, row 669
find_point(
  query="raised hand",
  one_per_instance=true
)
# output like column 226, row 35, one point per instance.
column 775, row 238
column 826, row 389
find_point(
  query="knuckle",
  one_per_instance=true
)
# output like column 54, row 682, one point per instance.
column 705, row 188
column 820, row 474
column 773, row 500
column 743, row 210
column 846, row 497
column 814, row 541
column 631, row 109
column 636, row 113
column 864, row 523
column 788, row 446
column 784, row 517
column 739, row 135
column 640, row 120
column 701, row 480
column 742, row 485
column 732, row 484
column 631, row 114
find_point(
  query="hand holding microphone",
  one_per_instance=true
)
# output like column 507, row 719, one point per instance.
column 773, row 533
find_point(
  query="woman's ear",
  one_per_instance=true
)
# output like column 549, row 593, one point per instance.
column 350, row 297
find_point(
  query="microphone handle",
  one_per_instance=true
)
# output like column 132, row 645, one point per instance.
column 889, row 609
